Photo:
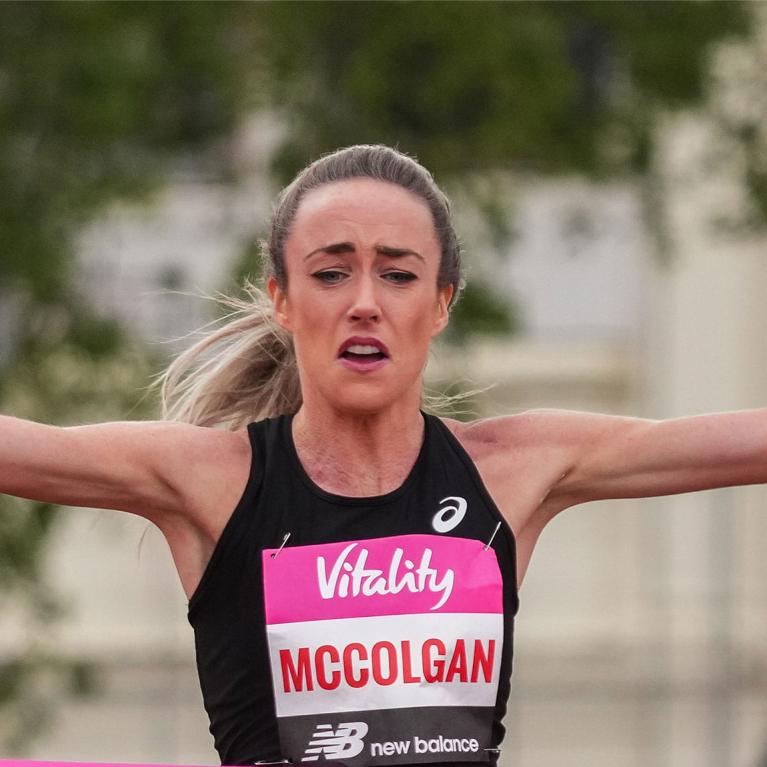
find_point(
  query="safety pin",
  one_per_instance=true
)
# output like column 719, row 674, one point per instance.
column 284, row 541
column 487, row 545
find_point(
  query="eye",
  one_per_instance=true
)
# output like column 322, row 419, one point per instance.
column 400, row 277
column 329, row 276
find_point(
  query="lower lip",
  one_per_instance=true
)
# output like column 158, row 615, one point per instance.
column 363, row 366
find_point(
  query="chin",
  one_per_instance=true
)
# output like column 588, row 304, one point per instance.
column 361, row 404
column 364, row 398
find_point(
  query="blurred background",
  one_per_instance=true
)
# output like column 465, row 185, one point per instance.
column 608, row 168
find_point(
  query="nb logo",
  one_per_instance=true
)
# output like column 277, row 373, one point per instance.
column 449, row 516
column 346, row 741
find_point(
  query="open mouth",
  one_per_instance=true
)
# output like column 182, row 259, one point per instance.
column 363, row 353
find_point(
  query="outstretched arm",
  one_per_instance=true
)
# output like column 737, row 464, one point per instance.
column 184, row 478
column 150, row 468
column 619, row 457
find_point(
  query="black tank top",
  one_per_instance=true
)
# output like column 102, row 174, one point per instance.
column 380, row 633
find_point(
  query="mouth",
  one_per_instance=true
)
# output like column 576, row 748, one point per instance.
column 363, row 353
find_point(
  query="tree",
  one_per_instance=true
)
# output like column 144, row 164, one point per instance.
column 551, row 87
column 476, row 88
column 100, row 101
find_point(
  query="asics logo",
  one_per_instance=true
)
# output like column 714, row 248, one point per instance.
column 345, row 742
column 451, row 515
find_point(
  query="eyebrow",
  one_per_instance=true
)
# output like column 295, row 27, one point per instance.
column 348, row 247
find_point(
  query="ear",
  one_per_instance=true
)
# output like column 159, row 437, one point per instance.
column 279, row 302
column 443, row 313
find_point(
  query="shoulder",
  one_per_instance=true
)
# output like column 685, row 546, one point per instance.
column 545, row 437
column 206, row 471
column 207, row 468
column 529, row 429
column 187, row 446
column 536, row 429
column 527, row 456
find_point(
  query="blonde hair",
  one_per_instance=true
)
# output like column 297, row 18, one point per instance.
column 254, row 376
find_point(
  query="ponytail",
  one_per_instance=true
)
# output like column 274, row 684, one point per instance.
column 254, row 376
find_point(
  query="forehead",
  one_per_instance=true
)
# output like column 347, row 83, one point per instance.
column 365, row 211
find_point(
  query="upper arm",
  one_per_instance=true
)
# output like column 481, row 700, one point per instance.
column 622, row 457
column 151, row 468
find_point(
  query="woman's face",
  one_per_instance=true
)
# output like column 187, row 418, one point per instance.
column 362, row 301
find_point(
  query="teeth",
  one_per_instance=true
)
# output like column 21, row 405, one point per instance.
column 360, row 349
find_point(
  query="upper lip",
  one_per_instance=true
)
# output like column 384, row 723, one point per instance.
column 363, row 341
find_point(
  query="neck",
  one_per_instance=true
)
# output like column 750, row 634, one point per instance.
column 358, row 454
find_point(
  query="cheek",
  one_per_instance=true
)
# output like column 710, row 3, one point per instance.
column 307, row 312
column 417, row 331
column 314, row 326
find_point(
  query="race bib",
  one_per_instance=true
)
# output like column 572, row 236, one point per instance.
column 386, row 650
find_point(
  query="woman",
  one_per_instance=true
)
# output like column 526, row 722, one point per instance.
column 352, row 563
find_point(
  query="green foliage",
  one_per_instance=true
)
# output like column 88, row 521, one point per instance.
column 249, row 265
column 27, row 684
column 482, row 312
column 100, row 101
column 466, row 86
column 471, row 88
column 80, row 371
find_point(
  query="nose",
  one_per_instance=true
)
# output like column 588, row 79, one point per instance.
column 365, row 305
